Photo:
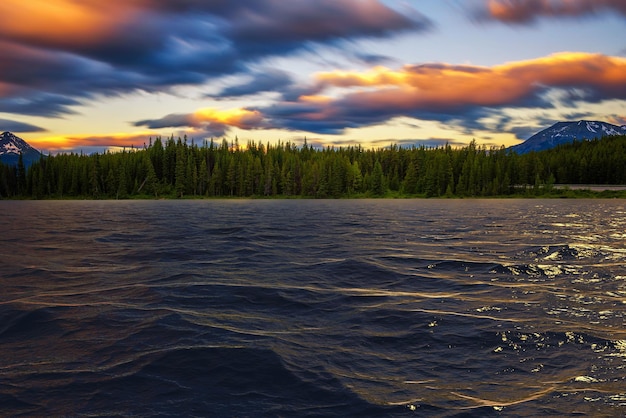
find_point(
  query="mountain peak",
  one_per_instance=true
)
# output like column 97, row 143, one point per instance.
column 566, row 132
column 12, row 146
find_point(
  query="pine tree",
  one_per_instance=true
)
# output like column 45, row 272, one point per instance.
column 181, row 169
column 231, row 176
column 122, row 188
column 409, row 185
column 378, row 180
column 151, row 181
column 111, row 184
column 203, row 178
column 355, row 178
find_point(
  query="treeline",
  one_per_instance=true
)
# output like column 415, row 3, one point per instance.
column 177, row 168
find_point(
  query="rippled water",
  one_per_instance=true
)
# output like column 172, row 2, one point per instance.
column 313, row 308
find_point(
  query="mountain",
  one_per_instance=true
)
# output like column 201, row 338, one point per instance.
column 566, row 132
column 10, row 148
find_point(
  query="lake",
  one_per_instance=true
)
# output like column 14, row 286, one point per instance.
column 303, row 308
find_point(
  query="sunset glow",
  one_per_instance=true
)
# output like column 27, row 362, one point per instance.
column 62, row 22
column 98, row 143
column 86, row 75
column 444, row 85
column 241, row 118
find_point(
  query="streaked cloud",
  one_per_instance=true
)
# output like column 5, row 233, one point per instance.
column 62, row 23
column 527, row 11
column 59, row 53
column 445, row 92
column 460, row 95
column 15, row 126
column 326, row 69
column 268, row 80
column 35, row 103
column 210, row 122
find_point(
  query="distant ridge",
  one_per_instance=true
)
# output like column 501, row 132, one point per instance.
column 10, row 148
column 567, row 132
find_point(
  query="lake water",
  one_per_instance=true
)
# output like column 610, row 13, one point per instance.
column 296, row 308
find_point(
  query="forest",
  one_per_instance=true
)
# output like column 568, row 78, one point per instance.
column 177, row 168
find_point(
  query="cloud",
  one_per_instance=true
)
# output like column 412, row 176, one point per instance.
column 462, row 96
column 447, row 87
column 619, row 120
column 448, row 93
column 528, row 11
column 48, row 83
column 264, row 24
column 270, row 80
column 14, row 126
column 210, row 122
column 78, row 50
column 38, row 104
column 525, row 132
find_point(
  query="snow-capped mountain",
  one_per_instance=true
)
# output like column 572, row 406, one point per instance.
column 10, row 148
column 566, row 132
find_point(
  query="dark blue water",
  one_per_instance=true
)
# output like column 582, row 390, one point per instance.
column 237, row 308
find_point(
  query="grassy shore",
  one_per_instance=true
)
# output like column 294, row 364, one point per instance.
column 556, row 192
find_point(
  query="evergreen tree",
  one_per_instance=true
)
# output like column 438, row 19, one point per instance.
column 355, row 178
column 21, row 176
column 122, row 186
column 181, row 170
column 410, row 183
column 378, row 179
column 203, row 178
column 111, row 184
column 284, row 169
column 151, row 182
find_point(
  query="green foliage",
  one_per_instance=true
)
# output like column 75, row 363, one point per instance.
column 177, row 169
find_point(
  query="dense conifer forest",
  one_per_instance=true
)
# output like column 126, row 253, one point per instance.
column 177, row 168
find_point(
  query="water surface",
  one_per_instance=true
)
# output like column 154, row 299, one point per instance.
column 429, row 308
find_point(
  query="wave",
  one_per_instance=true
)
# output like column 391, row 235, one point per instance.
column 365, row 308
column 203, row 381
column 25, row 324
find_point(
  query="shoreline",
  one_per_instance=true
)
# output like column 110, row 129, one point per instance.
column 557, row 192
column 591, row 187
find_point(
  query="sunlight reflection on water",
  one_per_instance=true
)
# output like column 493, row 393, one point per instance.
column 367, row 307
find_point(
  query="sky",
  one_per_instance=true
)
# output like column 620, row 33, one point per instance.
column 92, row 75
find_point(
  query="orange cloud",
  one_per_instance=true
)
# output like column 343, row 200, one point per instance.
column 240, row 118
column 462, row 94
column 443, row 85
column 209, row 122
column 63, row 21
column 377, row 76
column 317, row 99
column 521, row 11
column 60, row 52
